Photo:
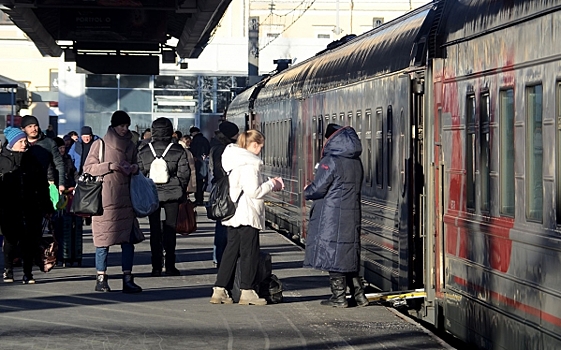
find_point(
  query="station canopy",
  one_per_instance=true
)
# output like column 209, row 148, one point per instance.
column 117, row 36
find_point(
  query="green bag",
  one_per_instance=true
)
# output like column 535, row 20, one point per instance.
column 55, row 196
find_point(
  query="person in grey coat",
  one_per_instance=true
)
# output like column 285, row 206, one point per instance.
column 333, row 240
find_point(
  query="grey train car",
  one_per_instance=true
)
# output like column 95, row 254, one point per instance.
column 455, row 104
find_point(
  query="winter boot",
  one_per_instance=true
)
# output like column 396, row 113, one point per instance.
column 8, row 275
column 249, row 297
column 220, row 296
column 128, row 284
column 101, row 284
column 357, row 291
column 338, row 288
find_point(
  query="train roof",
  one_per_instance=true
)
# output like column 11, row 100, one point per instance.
column 392, row 47
column 466, row 19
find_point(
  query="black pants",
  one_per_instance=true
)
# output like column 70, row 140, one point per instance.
column 163, row 240
column 28, row 240
column 243, row 243
column 201, row 185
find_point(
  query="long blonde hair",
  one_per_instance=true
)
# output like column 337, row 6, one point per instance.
column 249, row 136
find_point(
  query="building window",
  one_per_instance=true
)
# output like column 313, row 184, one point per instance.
column 485, row 153
column 324, row 36
column 534, row 154
column 506, row 152
column 470, row 152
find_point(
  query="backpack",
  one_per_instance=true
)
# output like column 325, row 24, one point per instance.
column 159, row 172
column 220, row 206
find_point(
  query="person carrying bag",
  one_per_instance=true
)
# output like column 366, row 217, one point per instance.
column 171, row 182
column 87, row 194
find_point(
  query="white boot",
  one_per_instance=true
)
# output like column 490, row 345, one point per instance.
column 249, row 297
column 220, row 296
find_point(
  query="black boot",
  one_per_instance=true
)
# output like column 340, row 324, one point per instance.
column 128, row 284
column 101, row 284
column 357, row 291
column 338, row 288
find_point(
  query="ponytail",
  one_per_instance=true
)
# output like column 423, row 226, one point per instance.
column 249, row 136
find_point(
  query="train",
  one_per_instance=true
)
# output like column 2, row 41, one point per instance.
column 455, row 103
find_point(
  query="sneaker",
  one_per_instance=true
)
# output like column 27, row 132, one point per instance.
column 28, row 279
column 172, row 271
column 250, row 297
column 8, row 276
column 156, row 273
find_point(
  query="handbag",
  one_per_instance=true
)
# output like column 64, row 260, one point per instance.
column 48, row 248
column 87, row 194
column 144, row 195
column 137, row 235
column 186, row 218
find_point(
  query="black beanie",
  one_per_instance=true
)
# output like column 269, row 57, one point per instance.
column 229, row 129
column 331, row 128
column 59, row 142
column 120, row 118
column 28, row 120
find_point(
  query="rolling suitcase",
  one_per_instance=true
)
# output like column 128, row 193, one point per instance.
column 69, row 229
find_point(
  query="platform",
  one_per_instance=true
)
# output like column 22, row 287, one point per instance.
column 62, row 311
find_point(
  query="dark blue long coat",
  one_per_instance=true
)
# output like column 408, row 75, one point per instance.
column 333, row 240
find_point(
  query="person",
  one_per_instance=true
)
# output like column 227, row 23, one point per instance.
column 200, row 147
column 135, row 137
column 333, row 240
column 73, row 135
column 177, row 135
column 118, row 222
column 81, row 148
column 50, row 133
column 146, row 138
column 68, row 142
column 45, row 150
column 246, row 186
column 226, row 134
column 170, row 194
column 185, row 141
column 69, row 168
column 25, row 190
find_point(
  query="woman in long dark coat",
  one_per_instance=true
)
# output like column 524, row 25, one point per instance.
column 333, row 240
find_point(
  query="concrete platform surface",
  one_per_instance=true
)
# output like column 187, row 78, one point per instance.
column 62, row 311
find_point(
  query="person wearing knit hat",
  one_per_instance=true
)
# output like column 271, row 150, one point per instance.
column 118, row 224
column 45, row 150
column 120, row 118
column 81, row 148
column 23, row 212
column 229, row 129
column 13, row 135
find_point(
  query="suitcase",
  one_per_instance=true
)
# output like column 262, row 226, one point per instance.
column 267, row 285
column 69, row 229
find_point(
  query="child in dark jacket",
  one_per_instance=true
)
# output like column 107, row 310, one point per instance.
column 25, row 190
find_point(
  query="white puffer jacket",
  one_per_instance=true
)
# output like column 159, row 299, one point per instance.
column 245, row 175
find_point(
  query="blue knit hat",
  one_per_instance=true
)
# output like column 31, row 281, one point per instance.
column 13, row 135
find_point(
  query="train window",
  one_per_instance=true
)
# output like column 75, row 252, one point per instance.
column 558, row 158
column 403, row 152
column 334, row 118
column 352, row 122
column 506, row 152
column 379, row 147
column 314, row 140
column 368, row 138
column 470, row 151
column 389, row 146
column 484, row 151
column 358, row 123
column 319, row 140
column 534, row 154
column 343, row 122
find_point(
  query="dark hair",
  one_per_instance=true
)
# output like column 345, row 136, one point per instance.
column 73, row 133
column 194, row 129
column 178, row 134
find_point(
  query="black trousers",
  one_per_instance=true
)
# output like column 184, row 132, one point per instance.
column 163, row 239
column 27, row 237
column 201, row 185
column 243, row 243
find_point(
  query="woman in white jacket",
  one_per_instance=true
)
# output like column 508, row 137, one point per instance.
column 246, row 183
